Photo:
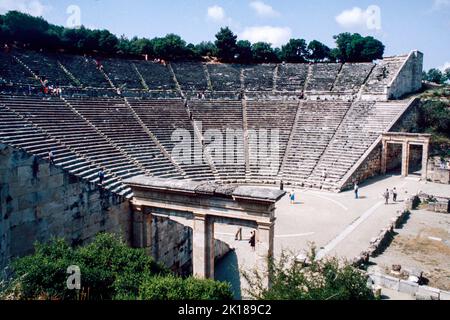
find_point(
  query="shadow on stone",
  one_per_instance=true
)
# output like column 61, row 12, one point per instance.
column 227, row 269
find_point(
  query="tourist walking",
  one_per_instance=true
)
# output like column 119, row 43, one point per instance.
column 292, row 196
column 252, row 240
column 394, row 194
column 386, row 196
column 356, row 189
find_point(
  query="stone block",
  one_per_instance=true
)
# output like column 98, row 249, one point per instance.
column 25, row 173
column 389, row 282
column 444, row 295
column 55, row 181
column 28, row 200
column 408, row 287
column 427, row 293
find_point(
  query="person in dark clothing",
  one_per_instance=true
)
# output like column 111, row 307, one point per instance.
column 101, row 176
column 252, row 240
column 51, row 157
column 394, row 194
column 281, row 185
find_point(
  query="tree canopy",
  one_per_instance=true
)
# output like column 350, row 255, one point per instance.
column 356, row 48
column 36, row 33
column 328, row 279
column 109, row 270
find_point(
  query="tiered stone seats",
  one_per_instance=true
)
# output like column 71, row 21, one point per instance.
column 316, row 125
column 265, row 115
column 259, row 77
column 21, row 133
column 226, row 119
column 163, row 118
column 191, row 76
column 292, row 77
column 156, row 75
column 352, row 76
column 383, row 73
column 361, row 127
column 45, row 66
column 323, row 76
column 122, row 74
column 116, row 120
column 61, row 123
column 84, row 69
column 225, row 77
column 12, row 71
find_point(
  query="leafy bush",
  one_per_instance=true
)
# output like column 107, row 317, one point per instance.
column 176, row 288
column 109, row 269
column 328, row 279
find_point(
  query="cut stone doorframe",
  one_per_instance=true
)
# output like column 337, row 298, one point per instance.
column 406, row 140
column 205, row 203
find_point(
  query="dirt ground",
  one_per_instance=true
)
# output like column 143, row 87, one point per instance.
column 423, row 243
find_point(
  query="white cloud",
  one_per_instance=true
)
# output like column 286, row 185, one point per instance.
column 32, row 7
column 445, row 66
column 440, row 4
column 263, row 10
column 359, row 18
column 277, row 36
column 216, row 13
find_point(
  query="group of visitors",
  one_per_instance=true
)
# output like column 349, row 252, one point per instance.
column 251, row 241
column 387, row 195
column 48, row 89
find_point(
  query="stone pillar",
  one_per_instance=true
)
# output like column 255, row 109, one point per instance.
column 264, row 248
column 147, row 232
column 384, row 150
column 203, row 246
column 425, row 160
column 138, row 235
column 405, row 158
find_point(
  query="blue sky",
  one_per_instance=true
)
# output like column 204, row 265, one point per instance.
column 402, row 25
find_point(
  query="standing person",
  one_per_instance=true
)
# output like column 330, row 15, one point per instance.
column 394, row 194
column 292, row 196
column 356, row 189
column 386, row 196
column 238, row 235
column 51, row 157
column 101, row 176
column 252, row 240
column 281, row 185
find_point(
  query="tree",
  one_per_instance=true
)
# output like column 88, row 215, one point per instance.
column 318, row 51
column 109, row 270
column 294, row 51
column 355, row 48
column 226, row 44
column 171, row 47
column 447, row 74
column 244, row 51
column 319, row 280
column 206, row 48
column 262, row 52
column 176, row 288
column 435, row 75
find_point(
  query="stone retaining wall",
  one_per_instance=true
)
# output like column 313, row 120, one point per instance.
column 39, row 201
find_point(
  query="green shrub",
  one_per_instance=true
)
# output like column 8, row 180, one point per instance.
column 108, row 269
column 176, row 288
column 327, row 279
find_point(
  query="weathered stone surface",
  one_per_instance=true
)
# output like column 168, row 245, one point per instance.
column 38, row 205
